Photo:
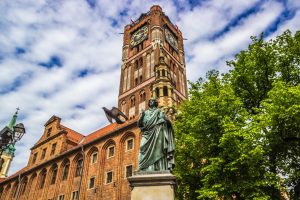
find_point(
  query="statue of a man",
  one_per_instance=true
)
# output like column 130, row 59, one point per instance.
column 157, row 143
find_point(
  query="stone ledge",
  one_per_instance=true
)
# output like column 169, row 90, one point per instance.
column 152, row 179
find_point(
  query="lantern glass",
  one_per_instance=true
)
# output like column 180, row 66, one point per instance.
column 19, row 131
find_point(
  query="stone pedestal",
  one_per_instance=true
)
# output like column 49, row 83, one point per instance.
column 153, row 186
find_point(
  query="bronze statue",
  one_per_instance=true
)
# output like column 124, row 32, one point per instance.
column 157, row 143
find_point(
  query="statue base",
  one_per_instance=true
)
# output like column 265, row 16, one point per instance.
column 158, row 185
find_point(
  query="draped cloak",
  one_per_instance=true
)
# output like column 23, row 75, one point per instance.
column 157, row 143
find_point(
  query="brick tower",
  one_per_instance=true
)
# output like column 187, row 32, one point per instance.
column 153, row 64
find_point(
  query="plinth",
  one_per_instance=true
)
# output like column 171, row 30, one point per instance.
column 153, row 186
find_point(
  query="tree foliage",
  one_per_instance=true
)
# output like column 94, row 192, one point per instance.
column 238, row 136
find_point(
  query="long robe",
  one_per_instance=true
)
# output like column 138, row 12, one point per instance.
column 157, row 143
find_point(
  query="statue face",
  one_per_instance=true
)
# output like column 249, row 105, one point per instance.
column 153, row 103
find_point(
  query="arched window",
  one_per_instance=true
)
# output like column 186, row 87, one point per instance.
column 123, row 106
column 132, row 101
column 141, row 78
column 142, row 96
column 23, row 186
column 165, row 91
column 125, row 79
column 157, row 92
column 16, row 189
column 152, row 64
column 94, row 157
column 7, row 191
column 31, row 182
column 136, row 81
column 1, row 163
column 1, row 192
column 136, row 64
column 43, row 178
column 163, row 72
column 148, row 66
column 141, row 62
column 129, row 144
column 110, row 151
column 65, row 170
column 54, row 174
column 128, row 78
column 79, row 166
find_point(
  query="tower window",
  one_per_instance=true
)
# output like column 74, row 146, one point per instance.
column 132, row 101
column 157, row 92
column 165, row 90
column 136, row 64
column 141, row 62
column 142, row 97
column 163, row 72
column 123, row 106
column 136, row 82
column 1, row 163
column 141, row 79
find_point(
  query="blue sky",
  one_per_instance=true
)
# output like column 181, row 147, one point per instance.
column 63, row 57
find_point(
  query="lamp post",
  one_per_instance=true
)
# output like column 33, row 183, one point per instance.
column 11, row 134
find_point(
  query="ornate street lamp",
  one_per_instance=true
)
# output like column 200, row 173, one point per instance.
column 19, row 131
column 10, row 134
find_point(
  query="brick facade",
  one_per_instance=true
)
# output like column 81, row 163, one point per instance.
column 96, row 144
column 64, row 164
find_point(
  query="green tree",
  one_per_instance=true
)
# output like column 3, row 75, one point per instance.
column 238, row 136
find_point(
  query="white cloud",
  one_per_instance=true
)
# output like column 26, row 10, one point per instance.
column 207, row 53
column 86, row 38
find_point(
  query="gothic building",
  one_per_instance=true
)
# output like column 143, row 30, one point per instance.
column 65, row 164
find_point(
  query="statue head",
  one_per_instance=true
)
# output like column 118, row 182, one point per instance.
column 153, row 103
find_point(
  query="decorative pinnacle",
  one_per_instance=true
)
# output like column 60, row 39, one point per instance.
column 13, row 120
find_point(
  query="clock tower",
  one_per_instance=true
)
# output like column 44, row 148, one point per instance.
column 153, row 64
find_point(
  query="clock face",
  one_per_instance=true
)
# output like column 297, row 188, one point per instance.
column 139, row 36
column 171, row 39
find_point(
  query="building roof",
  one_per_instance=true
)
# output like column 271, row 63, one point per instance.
column 72, row 135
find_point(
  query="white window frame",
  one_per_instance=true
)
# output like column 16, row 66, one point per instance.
column 126, row 170
column 94, row 177
column 92, row 156
column 72, row 195
column 112, row 177
column 111, row 146
column 130, row 138
column 61, row 197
